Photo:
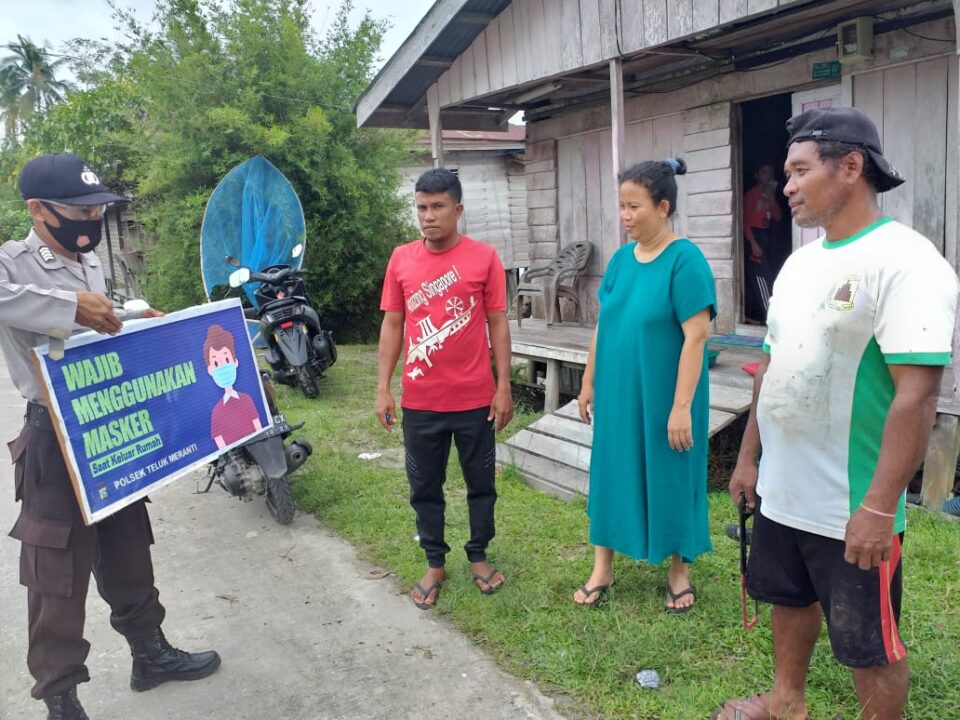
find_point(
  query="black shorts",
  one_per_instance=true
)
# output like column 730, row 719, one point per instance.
column 795, row 568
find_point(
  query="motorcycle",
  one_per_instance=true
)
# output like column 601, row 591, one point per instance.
column 298, row 349
column 261, row 465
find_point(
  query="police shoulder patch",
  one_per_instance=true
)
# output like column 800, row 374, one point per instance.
column 46, row 254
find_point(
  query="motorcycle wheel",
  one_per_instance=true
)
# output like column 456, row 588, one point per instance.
column 280, row 500
column 308, row 380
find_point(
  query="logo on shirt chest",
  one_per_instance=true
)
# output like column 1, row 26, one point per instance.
column 844, row 295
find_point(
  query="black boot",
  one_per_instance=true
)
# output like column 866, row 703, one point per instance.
column 65, row 706
column 155, row 661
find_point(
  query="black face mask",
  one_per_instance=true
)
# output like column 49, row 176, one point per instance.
column 70, row 231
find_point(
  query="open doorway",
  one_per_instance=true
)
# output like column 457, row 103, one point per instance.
column 767, row 239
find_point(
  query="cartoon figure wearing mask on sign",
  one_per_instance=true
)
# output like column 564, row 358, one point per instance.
column 235, row 415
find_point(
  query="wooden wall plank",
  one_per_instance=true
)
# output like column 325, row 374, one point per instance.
column 481, row 65
column 553, row 36
column 663, row 137
column 706, row 14
column 520, row 40
column 708, row 159
column 468, row 85
column 590, row 42
column 508, row 46
column 571, row 190
column 594, row 195
column 950, row 243
column 494, row 54
column 535, row 38
column 638, row 142
column 608, row 240
column 758, row 6
column 443, row 89
column 609, row 40
column 706, row 139
column 679, row 18
column 571, row 53
column 929, row 182
column 899, row 141
column 731, row 10
column 631, row 23
column 719, row 203
column 655, row 22
column 456, row 80
column 709, row 181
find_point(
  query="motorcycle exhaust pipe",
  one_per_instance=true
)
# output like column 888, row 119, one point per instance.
column 297, row 453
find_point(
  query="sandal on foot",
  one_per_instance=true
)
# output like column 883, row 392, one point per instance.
column 491, row 589
column 599, row 590
column 752, row 708
column 676, row 596
column 425, row 604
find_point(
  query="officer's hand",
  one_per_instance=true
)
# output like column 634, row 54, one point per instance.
column 95, row 311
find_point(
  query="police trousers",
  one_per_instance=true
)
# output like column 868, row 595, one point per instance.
column 58, row 553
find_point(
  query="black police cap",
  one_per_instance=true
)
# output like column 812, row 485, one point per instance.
column 65, row 178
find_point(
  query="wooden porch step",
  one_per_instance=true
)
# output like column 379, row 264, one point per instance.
column 544, row 474
column 553, row 453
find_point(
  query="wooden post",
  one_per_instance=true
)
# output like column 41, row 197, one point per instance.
column 551, row 388
column 618, row 129
column 436, row 127
column 943, row 447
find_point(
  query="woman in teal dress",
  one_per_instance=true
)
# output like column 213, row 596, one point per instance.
column 646, row 390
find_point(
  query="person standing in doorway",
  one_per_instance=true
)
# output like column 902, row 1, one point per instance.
column 860, row 328
column 645, row 387
column 441, row 295
column 51, row 285
column 760, row 211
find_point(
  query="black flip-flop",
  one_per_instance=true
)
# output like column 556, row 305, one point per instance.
column 676, row 596
column 600, row 591
column 491, row 589
column 426, row 596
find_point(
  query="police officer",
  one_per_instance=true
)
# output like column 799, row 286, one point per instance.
column 52, row 285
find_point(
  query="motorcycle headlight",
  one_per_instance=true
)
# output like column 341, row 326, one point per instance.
column 268, row 318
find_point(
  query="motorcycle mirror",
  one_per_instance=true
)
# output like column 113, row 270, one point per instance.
column 137, row 305
column 239, row 277
column 232, row 261
column 297, row 250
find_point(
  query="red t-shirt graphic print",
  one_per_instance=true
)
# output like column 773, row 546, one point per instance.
column 445, row 298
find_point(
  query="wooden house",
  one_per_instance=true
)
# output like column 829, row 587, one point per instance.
column 606, row 83
column 121, row 253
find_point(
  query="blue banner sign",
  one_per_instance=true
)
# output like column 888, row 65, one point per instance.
column 135, row 411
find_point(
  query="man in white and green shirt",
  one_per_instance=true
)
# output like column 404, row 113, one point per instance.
column 860, row 328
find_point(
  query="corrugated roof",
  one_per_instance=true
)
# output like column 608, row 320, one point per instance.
column 456, row 24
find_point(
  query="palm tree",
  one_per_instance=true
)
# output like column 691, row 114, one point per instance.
column 27, row 82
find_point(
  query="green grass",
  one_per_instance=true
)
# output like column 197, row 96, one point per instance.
column 587, row 658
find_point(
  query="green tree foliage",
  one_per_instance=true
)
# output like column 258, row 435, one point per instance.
column 28, row 83
column 205, row 86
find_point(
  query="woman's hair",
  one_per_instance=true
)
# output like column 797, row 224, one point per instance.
column 659, row 178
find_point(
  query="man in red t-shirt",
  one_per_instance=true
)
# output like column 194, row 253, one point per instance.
column 440, row 295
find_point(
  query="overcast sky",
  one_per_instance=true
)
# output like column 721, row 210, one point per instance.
column 54, row 21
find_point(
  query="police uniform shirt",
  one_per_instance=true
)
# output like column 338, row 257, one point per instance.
column 38, row 299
